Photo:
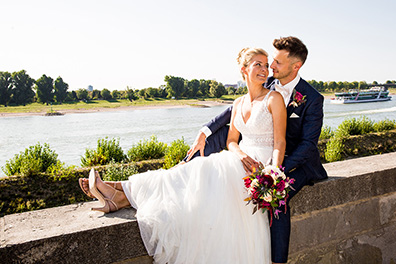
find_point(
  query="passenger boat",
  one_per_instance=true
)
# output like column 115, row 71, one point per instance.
column 374, row 94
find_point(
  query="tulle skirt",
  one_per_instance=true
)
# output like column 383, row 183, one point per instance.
column 196, row 213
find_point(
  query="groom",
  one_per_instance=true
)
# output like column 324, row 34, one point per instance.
column 304, row 122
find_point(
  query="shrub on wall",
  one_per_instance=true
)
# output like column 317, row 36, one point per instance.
column 175, row 153
column 147, row 149
column 335, row 147
column 384, row 125
column 326, row 132
column 107, row 150
column 35, row 159
column 119, row 172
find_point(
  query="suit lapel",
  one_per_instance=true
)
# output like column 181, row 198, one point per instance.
column 299, row 89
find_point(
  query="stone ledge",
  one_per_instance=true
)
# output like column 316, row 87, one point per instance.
column 74, row 234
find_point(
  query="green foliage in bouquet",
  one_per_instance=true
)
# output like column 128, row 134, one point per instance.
column 34, row 160
column 107, row 150
column 175, row 153
column 147, row 149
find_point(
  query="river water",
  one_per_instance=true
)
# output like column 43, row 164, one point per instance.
column 69, row 135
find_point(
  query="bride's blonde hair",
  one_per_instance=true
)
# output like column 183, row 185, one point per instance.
column 246, row 55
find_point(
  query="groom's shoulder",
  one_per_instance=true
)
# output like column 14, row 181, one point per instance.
column 309, row 88
column 270, row 81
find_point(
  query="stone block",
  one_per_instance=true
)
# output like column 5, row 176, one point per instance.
column 387, row 206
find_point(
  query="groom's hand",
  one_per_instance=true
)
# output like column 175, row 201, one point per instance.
column 199, row 144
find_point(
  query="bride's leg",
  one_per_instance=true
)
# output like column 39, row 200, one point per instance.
column 84, row 184
column 116, row 198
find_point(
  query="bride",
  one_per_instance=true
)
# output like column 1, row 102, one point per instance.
column 195, row 212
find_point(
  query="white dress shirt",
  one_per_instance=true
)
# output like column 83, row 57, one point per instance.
column 287, row 89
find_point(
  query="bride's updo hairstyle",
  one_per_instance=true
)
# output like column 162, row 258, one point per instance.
column 246, row 55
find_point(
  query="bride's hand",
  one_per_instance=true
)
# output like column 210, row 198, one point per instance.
column 248, row 163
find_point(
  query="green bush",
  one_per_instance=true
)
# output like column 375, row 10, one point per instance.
column 147, row 149
column 107, row 150
column 353, row 126
column 59, row 171
column 384, row 125
column 175, row 153
column 326, row 132
column 334, row 148
column 34, row 160
column 119, row 172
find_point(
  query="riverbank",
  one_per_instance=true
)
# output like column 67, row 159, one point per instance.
column 96, row 106
column 88, row 108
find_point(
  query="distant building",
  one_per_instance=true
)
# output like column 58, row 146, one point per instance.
column 90, row 88
column 231, row 85
column 241, row 84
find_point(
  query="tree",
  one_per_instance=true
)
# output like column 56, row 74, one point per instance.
column 60, row 90
column 332, row 86
column 217, row 89
column 73, row 95
column 45, row 89
column 82, row 94
column 96, row 94
column 174, row 86
column 362, row 85
column 115, row 94
column 193, row 88
column 130, row 94
column 23, row 92
column 231, row 90
column 152, row 92
column 142, row 93
column 106, row 94
column 204, row 87
column 6, row 87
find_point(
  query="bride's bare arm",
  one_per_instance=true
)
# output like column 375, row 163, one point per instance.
column 232, row 142
column 277, row 108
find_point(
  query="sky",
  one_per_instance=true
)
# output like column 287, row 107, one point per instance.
column 127, row 43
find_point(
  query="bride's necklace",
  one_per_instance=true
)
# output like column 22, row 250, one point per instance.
column 252, row 101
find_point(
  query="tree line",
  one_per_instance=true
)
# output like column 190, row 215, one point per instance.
column 18, row 88
column 333, row 86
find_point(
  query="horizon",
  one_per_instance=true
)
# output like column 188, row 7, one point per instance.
column 135, row 43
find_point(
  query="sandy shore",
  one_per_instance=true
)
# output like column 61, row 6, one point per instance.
column 121, row 108
column 128, row 108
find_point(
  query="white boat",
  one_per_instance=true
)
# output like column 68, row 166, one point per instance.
column 374, row 94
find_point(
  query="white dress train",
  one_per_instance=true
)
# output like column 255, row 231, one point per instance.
column 196, row 213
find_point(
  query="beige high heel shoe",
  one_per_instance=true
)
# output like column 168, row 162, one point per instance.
column 88, row 192
column 105, row 202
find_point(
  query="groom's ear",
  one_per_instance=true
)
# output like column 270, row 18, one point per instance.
column 297, row 65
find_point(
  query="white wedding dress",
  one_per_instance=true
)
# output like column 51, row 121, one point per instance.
column 196, row 213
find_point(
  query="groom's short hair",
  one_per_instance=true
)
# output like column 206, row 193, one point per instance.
column 294, row 46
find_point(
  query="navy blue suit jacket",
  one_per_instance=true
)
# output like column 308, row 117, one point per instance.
column 304, row 125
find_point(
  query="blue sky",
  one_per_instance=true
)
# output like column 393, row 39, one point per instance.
column 120, row 43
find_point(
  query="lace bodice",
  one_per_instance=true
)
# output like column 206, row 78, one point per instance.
column 257, row 132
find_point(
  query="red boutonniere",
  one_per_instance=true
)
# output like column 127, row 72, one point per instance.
column 298, row 99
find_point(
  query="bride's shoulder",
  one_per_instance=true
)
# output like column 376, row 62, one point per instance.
column 275, row 98
column 274, row 95
column 238, row 100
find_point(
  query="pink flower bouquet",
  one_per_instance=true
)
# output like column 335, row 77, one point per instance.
column 268, row 189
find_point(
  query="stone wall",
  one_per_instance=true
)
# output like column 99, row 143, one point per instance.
column 349, row 218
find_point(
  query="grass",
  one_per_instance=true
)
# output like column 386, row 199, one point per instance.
column 96, row 104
